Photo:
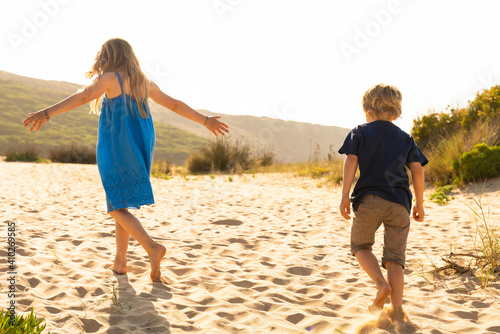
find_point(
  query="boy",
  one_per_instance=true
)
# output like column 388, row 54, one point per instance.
column 382, row 193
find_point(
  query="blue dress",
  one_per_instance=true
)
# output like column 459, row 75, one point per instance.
column 125, row 148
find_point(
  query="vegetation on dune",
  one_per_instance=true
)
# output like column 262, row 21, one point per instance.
column 27, row 154
column 226, row 155
column 440, row 196
column 21, row 324
column 73, row 154
column 445, row 138
column 480, row 163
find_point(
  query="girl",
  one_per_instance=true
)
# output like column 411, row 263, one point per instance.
column 126, row 140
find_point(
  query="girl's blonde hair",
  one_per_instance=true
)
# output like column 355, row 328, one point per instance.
column 117, row 55
column 384, row 100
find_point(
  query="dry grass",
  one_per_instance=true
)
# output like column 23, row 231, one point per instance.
column 482, row 260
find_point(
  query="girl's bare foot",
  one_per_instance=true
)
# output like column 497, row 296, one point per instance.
column 378, row 304
column 119, row 267
column 154, row 260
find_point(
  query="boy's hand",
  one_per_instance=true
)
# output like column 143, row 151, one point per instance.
column 345, row 207
column 418, row 213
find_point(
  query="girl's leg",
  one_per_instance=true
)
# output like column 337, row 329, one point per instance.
column 122, row 238
column 369, row 263
column 134, row 227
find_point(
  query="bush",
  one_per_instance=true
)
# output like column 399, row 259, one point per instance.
column 221, row 155
column 444, row 152
column 479, row 163
column 73, row 154
column 28, row 325
column 266, row 158
column 433, row 128
column 440, row 196
column 162, row 169
column 27, row 154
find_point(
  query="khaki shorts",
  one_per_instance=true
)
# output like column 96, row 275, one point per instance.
column 371, row 213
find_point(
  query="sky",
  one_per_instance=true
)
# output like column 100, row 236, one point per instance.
column 299, row 60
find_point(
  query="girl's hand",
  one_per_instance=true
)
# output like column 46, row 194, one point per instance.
column 37, row 119
column 213, row 124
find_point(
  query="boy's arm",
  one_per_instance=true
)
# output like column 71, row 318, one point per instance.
column 90, row 93
column 182, row 109
column 417, row 175
column 350, row 166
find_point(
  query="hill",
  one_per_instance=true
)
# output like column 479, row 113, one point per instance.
column 291, row 141
column 176, row 136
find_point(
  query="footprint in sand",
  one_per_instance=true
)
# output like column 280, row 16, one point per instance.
column 300, row 271
column 228, row 222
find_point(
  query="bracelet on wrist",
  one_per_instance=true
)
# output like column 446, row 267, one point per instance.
column 46, row 115
column 206, row 120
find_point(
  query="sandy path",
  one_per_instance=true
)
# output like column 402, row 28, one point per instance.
column 263, row 254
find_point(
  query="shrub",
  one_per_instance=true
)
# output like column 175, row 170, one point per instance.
column 162, row 169
column 486, row 105
column 27, row 154
column 479, row 163
column 28, row 325
column 73, row 154
column 448, row 151
column 266, row 158
column 440, row 196
column 221, row 155
column 434, row 127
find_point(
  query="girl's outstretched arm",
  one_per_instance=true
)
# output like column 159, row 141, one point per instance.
column 98, row 88
column 212, row 123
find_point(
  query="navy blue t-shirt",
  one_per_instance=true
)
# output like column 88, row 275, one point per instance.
column 383, row 151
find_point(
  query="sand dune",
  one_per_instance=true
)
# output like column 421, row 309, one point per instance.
column 263, row 254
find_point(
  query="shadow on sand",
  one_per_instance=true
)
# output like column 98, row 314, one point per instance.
column 136, row 313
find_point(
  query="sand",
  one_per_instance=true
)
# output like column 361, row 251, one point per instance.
column 260, row 254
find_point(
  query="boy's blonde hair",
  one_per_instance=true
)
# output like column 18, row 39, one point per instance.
column 117, row 55
column 384, row 100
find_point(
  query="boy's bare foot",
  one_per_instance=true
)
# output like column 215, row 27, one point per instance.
column 397, row 315
column 119, row 267
column 154, row 260
column 378, row 304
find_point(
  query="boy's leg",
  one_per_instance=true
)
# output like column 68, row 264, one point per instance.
column 367, row 219
column 122, row 239
column 396, row 279
column 134, row 227
column 396, row 229
column 369, row 263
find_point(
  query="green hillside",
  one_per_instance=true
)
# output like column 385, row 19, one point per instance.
column 20, row 96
